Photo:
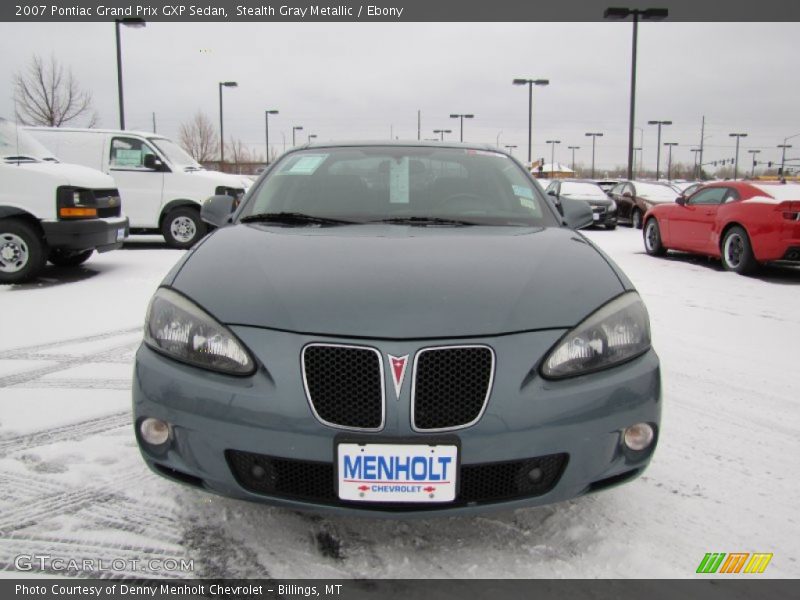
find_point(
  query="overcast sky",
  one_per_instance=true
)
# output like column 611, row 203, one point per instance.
column 367, row 80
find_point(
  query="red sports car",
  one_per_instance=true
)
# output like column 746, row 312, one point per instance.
column 743, row 223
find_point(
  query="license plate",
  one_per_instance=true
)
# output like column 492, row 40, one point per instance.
column 596, row 216
column 397, row 472
column 120, row 234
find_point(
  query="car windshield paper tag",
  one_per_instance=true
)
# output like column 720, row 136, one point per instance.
column 306, row 165
column 522, row 191
column 397, row 472
column 128, row 158
column 398, row 181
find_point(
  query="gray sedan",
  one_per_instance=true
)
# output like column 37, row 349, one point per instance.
column 397, row 329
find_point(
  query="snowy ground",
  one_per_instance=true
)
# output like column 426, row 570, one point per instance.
column 725, row 477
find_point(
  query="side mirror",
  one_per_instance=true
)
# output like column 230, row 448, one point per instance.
column 577, row 213
column 152, row 162
column 681, row 200
column 551, row 193
column 217, row 210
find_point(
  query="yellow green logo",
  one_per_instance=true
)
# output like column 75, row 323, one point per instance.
column 734, row 562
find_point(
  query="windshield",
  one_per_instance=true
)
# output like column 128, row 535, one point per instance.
column 654, row 191
column 16, row 142
column 177, row 156
column 376, row 183
column 589, row 190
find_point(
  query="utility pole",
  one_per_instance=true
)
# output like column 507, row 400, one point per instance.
column 154, row 122
column 702, row 138
column 419, row 125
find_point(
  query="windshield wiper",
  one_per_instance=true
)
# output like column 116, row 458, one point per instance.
column 21, row 158
column 423, row 221
column 294, row 218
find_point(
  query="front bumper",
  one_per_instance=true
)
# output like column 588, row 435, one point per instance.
column 527, row 417
column 99, row 234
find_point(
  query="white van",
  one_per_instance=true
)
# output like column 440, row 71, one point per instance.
column 51, row 211
column 162, row 187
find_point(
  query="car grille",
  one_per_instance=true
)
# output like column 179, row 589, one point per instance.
column 344, row 385
column 451, row 386
column 108, row 203
column 315, row 481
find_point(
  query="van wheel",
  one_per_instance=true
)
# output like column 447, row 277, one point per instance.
column 22, row 251
column 182, row 227
column 737, row 254
column 65, row 258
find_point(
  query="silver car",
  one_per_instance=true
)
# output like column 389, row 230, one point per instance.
column 397, row 329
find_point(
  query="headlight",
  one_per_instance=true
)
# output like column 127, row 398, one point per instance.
column 180, row 329
column 617, row 332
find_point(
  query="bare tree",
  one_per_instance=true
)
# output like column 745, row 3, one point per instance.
column 199, row 138
column 47, row 94
column 238, row 152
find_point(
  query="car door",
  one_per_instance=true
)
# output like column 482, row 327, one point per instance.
column 140, row 188
column 624, row 198
column 691, row 227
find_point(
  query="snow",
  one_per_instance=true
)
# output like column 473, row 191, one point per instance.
column 724, row 478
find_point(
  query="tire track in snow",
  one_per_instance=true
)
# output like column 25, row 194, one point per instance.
column 63, row 433
column 33, row 352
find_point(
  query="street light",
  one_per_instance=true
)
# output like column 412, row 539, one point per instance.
column 223, row 84
column 294, row 129
column 441, row 132
column 573, row 148
column 738, row 136
column 753, row 172
column 695, row 151
column 639, row 150
column 462, row 117
column 267, row 113
column 658, row 144
column 530, row 83
column 128, row 22
column 669, row 160
column 646, row 14
column 783, row 147
column 594, row 137
column 510, row 148
column 552, row 153
column 311, row 136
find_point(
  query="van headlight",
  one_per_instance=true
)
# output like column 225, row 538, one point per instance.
column 616, row 333
column 180, row 329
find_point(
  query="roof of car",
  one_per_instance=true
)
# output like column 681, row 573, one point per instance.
column 402, row 143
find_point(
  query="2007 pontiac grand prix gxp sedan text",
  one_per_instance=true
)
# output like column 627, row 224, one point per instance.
column 400, row 329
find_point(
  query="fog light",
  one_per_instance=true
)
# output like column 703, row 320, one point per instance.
column 535, row 475
column 154, row 431
column 638, row 437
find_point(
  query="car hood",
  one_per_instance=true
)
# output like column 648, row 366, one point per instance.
column 69, row 174
column 397, row 282
column 220, row 178
column 592, row 200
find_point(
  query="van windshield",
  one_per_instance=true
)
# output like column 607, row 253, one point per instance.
column 18, row 144
column 177, row 156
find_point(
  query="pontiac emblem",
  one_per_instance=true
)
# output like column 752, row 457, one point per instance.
column 398, row 366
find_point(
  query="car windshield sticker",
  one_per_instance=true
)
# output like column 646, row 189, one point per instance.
column 306, row 165
column 522, row 191
column 128, row 158
column 398, row 181
column 528, row 204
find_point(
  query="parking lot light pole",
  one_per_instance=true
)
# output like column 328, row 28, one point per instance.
column 651, row 14
column 738, row 137
column 573, row 148
column 510, row 148
column 311, row 136
column 267, row 113
column 128, row 22
column 594, row 137
column 441, row 133
column 552, row 153
column 295, row 129
column 530, row 83
column 753, row 171
column 462, row 117
column 658, row 144
column 669, row 159
column 695, row 151
column 223, row 84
